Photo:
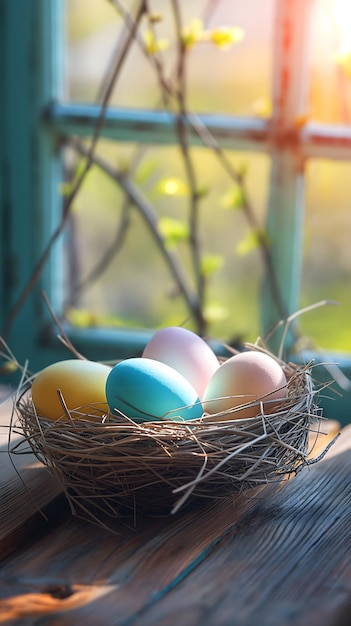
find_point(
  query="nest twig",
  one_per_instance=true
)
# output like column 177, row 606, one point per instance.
column 113, row 466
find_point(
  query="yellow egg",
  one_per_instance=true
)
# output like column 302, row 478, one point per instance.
column 81, row 383
column 245, row 378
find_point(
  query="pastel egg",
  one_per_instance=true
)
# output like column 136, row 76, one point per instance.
column 81, row 383
column 186, row 352
column 148, row 390
column 245, row 378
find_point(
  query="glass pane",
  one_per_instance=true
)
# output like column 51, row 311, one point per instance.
column 225, row 79
column 327, row 254
column 330, row 93
column 202, row 245
column 134, row 285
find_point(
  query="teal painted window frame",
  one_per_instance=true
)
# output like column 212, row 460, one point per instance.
column 30, row 167
column 33, row 117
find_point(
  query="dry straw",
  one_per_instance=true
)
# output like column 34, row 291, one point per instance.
column 111, row 467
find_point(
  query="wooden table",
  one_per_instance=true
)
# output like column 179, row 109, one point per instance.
column 267, row 557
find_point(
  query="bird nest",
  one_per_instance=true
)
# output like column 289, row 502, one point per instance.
column 113, row 466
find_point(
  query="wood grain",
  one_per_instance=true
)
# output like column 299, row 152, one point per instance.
column 289, row 564
column 138, row 564
column 269, row 557
column 27, row 490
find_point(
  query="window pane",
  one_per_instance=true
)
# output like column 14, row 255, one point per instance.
column 327, row 254
column 117, row 272
column 136, row 287
column 233, row 80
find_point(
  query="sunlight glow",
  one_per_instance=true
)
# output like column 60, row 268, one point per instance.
column 342, row 12
column 342, row 15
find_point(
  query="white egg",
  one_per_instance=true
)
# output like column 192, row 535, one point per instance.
column 186, row 352
column 243, row 379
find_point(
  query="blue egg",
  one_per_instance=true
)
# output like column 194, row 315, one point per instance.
column 148, row 390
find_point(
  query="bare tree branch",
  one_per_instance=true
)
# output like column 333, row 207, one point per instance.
column 181, row 94
column 187, row 117
column 151, row 219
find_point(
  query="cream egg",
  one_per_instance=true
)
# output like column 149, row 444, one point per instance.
column 81, row 383
column 186, row 352
column 242, row 379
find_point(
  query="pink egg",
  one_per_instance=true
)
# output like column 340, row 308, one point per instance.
column 247, row 376
column 186, row 352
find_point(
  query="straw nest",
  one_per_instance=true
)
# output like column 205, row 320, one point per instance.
column 112, row 466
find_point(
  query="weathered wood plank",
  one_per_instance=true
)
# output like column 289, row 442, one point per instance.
column 137, row 565
column 194, row 560
column 288, row 564
column 26, row 489
column 77, row 573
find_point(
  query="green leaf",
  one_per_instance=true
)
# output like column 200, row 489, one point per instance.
column 202, row 191
column 8, row 368
column 234, row 198
column 211, row 263
column 81, row 318
column 224, row 36
column 153, row 45
column 192, row 34
column 65, row 189
column 155, row 18
column 172, row 187
column 145, row 171
column 214, row 312
column 262, row 107
column 251, row 241
column 80, row 168
column 173, row 231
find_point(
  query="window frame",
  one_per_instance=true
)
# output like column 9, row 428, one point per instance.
column 30, row 77
column 34, row 117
